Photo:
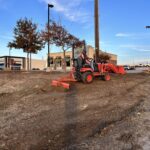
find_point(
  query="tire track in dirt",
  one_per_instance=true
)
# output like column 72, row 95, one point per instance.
column 124, row 114
column 105, row 125
column 52, row 133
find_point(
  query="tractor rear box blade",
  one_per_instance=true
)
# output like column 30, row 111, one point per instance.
column 60, row 84
column 63, row 81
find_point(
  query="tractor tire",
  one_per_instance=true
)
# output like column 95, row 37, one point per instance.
column 106, row 77
column 87, row 77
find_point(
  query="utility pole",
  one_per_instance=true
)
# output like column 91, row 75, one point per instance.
column 97, row 47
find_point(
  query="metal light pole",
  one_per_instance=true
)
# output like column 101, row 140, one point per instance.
column 97, row 47
column 9, row 59
column 147, row 27
column 48, row 58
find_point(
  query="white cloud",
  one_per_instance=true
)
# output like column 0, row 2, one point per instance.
column 72, row 10
column 123, row 35
column 127, row 46
column 144, row 50
column 133, row 35
column 139, row 48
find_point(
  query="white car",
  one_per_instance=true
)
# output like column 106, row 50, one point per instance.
column 126, row 67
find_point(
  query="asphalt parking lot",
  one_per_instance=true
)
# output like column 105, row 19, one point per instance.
column 138, row 70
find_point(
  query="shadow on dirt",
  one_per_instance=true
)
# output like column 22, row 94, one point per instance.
column 71, row 118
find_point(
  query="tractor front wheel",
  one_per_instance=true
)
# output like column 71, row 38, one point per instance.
column 106, row 77
column 87, row 77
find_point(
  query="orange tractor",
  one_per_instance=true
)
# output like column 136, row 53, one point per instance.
column 85, row 69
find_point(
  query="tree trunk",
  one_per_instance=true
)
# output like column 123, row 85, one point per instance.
column 27, row 61
column 64, row 60
column 55, row 64
column 30, row 61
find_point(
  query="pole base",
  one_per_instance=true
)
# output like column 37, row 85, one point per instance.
column 48, row 69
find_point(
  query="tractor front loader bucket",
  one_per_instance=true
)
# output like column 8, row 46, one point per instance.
column 116, row 69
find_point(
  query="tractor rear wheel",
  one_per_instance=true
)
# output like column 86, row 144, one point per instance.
column 87, row 77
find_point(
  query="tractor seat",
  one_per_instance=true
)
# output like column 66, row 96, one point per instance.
column 86, row 66
column 89, row 66
column 96, row 67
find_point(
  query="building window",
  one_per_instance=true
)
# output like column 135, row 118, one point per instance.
column 51, row 60
column 58, row 61
column 68, row 61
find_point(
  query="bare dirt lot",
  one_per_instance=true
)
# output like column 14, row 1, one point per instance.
column 113, row 115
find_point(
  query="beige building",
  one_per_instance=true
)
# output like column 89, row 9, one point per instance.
column 38, row 64
column 12, row 63
column 20, row 63
column 90, row 53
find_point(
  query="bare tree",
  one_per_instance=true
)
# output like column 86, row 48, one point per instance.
column 66, row 41
column 59, row 36
column 103, row 58
column 27, row 37
column 50, row 35
column 50, row 32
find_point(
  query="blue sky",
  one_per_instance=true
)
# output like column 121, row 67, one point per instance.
column 122, row 24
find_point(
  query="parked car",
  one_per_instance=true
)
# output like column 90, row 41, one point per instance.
column 141, row 65
column 1, row 66
column 16, row 67
column 132, row 68
column 126, row 67
column 148, row 65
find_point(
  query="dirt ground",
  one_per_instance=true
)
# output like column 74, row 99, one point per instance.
column 112, row 115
